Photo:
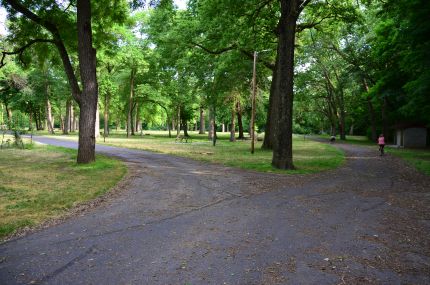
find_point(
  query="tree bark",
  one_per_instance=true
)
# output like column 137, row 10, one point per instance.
column 49, row 115
column 283, row 148
column 30, row 121
column 178, row 122
column 138, row 121
column 106, row 114
column 89, row 95
column 67, row 118
column 342, row 115
column 202, row 121
column 232, row 125
column 269, row 132
column 213, row 120
column 130, row 101
column 211, row 125
column 239, row 121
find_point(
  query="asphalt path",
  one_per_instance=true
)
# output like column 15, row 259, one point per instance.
column 180, row 221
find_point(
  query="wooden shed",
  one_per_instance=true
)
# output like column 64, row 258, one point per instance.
column 412, row 135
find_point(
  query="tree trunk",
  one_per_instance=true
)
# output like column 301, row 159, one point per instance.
column 213, row 120
column 178, row 122
column 89, row 96
column 185, row 127
column 67, row 118
column 342, row 115
column 223, row 128
column 9, row 117
column 202, row 121
column 232, row 125
column 106, row 114
column 137, row 117
column 239, row 121
column 30, row 121
column 211, row 125
column 283, row 147
column 48, row 111
column 269, row 132
column 133, row 119
column 351, row 130
column 130, row 101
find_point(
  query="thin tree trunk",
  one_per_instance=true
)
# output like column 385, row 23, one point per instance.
column 283, row 147
column 130, row 101
column 49, row 114
column 202, row 121
column 178, row 122
column 232, row 125
column 269, row 131
column 30, row 121
column 9, row 117
column 239, row 121
column 106, row 115
column 137, row 117
column 67, row 118
column 214, row 136
column 133, row 119
column 342, row 115
column 211, row 125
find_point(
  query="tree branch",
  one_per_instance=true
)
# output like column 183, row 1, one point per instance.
column 250, row 55
column 57, row 40
column 220, row 51
column 21, row 50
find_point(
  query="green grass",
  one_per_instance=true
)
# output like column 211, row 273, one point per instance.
column 309, row 156
column 419, row 158
column 358, row 140
column 43, row 182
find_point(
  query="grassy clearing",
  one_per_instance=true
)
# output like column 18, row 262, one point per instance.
column 44, row 182
column 309, row 156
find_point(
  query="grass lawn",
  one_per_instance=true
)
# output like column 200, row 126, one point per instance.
column 419, row 158
column 44, row 181
column 309, row 156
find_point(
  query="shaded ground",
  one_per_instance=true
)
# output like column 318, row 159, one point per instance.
column 183, row 222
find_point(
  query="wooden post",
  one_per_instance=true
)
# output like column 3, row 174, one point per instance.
column 254, row 91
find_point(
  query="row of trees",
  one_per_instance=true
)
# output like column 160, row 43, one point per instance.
column 358, row 66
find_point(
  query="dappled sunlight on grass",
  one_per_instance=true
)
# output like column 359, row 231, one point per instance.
column 44, row 182
column 309, row 156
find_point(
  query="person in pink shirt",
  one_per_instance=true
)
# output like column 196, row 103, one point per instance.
column 381, row 143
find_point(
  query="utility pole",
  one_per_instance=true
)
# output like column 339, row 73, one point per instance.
column 254, row 92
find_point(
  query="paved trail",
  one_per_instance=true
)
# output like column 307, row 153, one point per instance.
column 184, row 222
